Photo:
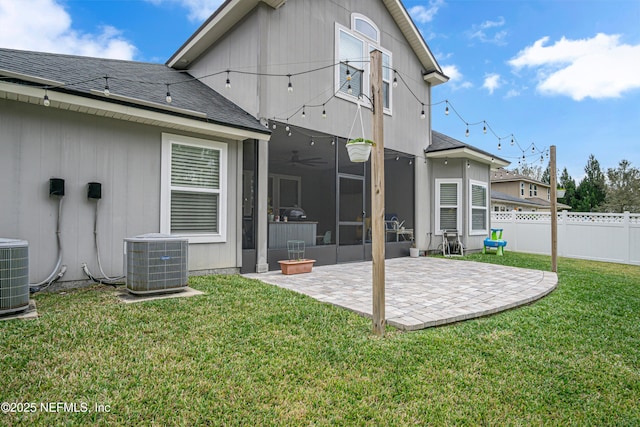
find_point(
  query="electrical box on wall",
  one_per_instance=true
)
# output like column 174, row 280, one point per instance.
column 95, row 190
column 56, row 187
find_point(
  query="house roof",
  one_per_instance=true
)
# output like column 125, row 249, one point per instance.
column 499, row 196
column 443, row 146
column 232, row 11
column 74, row 80
column 506, row 176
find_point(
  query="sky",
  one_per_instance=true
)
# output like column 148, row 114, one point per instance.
column 550, row 72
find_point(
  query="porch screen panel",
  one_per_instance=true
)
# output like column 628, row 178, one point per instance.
column 478, row 207
column 195, row 189
column 448, row 206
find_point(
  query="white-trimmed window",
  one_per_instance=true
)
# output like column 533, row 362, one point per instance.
column 522, row 188
column 548, row 194
column 478, row 207
column 194, row 188
column 448, row 211
column 353, row 46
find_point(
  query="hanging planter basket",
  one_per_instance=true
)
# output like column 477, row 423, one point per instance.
column 359, row 149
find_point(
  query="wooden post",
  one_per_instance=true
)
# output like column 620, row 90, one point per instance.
column 554, row 209
column 377, row 196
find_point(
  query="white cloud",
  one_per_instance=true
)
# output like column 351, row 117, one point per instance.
column 599, row 67
column 480, row 32
column 492, row 82
column 512, row 93
column 44, row 25
column 199, row 10
column 423, row 14
column 456, row 79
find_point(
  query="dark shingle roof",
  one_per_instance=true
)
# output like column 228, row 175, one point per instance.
column 498, row 195
column 140, row 80
column 442, row 142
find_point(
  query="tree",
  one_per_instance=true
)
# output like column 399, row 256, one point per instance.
column 546, row 175
column 592, row 189
column 530, row 171
column 569, row 184
column 623, row 191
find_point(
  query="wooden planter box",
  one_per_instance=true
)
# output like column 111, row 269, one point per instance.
column 296, row 266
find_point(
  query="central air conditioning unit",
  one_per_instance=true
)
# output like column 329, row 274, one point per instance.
column 14, row 275
column 156, row 263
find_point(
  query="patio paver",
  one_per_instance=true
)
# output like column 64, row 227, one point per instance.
column 422, row 292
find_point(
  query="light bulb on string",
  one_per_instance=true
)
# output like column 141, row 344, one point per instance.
column 289, row 134
column 333, row 141
column 410, row 162
column 512, row 141
column 446, row 162
column 303, row 113
column 533, row 149
column 168, row 97
column 484, row 128
column 348, row 73
column 466, row 133
column 499, row 146
column 468, row 164
column 395, row 79
column 324, row 112
column 422, row 114
column 106, row 86
column 541, row 158
column 397, row 158
column 289, row 86
column 446, row 110
column 312, row 143
column 274, row 126
column 349, row 90
column 45, row 100
column 227, row 84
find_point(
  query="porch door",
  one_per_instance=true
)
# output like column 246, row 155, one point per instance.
column 352, row 233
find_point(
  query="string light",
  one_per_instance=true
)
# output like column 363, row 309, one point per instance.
column 467, row 132
column 228, row 82
column 397, row 158
column 349, row 90
column 395, row 79
column 168, row 98
column 106, row 86
column 312, row 143
column 422, row 114
column 446, row 110
column 410, row 162
column 499, row 146
column 324, row 112
column 45, row 100
column 289, row 86
column 348, row 73
column 303, row 113
column 446, row 162
column 484, row 128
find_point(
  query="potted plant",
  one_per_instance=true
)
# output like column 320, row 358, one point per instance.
column 560, row 192
column 359, row 149
column 296, row 263
column 414, row 252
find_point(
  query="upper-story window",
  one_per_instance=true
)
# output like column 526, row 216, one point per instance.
column 353, row 46
column 522, row 188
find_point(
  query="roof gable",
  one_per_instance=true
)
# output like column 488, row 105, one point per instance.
column 443, row 146
column 232, row 11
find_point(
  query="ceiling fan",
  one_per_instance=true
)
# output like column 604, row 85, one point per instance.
column 310, row 161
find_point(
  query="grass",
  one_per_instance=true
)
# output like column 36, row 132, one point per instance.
column 247, row 353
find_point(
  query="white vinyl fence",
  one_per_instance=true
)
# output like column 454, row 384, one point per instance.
column 594, row 236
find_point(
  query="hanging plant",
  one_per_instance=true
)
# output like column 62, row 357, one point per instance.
column 359, row 149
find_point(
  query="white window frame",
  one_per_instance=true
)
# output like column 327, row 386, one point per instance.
column 484, row 231
column 458, row 182
column 521, row 189
column 368, row 45
column 165, row 187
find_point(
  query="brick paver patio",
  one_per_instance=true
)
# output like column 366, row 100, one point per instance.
column 422, row 292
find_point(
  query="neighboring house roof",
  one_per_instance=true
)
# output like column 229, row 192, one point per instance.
column 443, row 146
column 232, row 11
column 498, row 196
column 131, row 84
column 505, row 176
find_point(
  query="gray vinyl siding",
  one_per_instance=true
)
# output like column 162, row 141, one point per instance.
column 38, row 143
column 299, row 36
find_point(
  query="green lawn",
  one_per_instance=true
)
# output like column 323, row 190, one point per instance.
column 247, row 353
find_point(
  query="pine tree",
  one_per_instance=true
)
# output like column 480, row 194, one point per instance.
column 569, row 184
column 623, row 191
column 592, row 189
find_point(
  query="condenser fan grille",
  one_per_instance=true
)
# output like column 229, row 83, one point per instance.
column 14, row 275
column 156, row 265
